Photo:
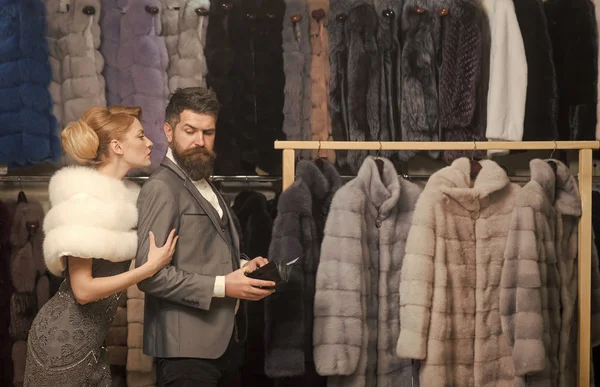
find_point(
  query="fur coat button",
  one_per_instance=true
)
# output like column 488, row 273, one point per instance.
column 89, row 10
column 152, row 10
column 378, row 223
column 296, row 18
column 387, row 13
column 341, row 17
column 201, row 11
column 318, row 14
column 475, row 215
column 443, row 12
column 420, row 10
column 227, row 6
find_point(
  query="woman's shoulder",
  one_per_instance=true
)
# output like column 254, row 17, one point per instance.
column 86, row 181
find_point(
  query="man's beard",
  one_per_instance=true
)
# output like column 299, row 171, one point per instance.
column 198, row 163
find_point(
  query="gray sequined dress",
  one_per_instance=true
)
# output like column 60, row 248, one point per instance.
column 65, row 347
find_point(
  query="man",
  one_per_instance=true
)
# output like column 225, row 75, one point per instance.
column 191, row 304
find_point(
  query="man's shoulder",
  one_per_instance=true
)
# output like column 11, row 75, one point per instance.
column 163, row 179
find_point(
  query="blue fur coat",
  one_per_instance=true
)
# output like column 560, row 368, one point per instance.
column 27, row 126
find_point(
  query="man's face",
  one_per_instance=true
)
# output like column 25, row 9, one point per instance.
column 192, row 141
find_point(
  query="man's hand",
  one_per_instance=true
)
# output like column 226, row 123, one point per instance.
column 238, row 285
column 255, row 264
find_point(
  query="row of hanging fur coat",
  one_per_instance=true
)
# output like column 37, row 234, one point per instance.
column 28, row 133
column 297, row 233
column 356, row 312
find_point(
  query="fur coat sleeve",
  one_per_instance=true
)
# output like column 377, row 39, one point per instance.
column 508, row 73
column 28, row 133
column 92, row 216
column 142, row 67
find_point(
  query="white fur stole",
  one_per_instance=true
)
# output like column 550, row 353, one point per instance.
column 92, row 216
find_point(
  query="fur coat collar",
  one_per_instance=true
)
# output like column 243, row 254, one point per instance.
column 455, row 181
column 92, row 216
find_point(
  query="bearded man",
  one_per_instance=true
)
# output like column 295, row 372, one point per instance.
column 190, row 305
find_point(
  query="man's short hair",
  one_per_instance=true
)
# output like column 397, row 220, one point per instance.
column 197, row 99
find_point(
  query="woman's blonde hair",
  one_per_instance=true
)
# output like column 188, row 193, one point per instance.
column 87, row 140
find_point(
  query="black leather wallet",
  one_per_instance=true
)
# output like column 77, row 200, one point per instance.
column 276, row 272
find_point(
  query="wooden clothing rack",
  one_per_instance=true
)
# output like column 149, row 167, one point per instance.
column 585, row 190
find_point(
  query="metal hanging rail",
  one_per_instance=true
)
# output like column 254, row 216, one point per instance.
column 585, row 189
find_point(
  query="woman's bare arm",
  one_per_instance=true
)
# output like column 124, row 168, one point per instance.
column 87, row 288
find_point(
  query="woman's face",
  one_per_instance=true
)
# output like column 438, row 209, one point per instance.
column 136, row 146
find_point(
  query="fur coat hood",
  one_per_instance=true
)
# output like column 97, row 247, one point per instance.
column 451, row 270
column 297, row 232
column 92, row 216
column 356, row 300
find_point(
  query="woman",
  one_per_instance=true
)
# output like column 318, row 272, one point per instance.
column 90, row 238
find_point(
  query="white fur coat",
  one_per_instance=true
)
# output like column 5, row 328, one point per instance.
column 91, row 216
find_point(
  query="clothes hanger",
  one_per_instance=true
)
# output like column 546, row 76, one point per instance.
column 378, row 161
column 21, row 198
column 551, row 162
column 475, row 165
column 319, row 160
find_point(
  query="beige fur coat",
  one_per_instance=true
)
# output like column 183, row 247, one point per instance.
column 450, row 285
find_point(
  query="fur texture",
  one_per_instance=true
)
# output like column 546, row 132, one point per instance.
column 83, row 85
column 542, row 100
column 297, row 232
column 338, row 57
column 110, row 25
column 462, row 51
column 220, row 58
column 449, row 291
column 297, row 68
column 357, row 300
column 530, row 301
column 575, row 49
column 28, row 133
column 419, row 111
column 6, row 291
column 389, row 14
column 170, row 19
column 363, row 72
column 142, row 64
column 320, row 121
column 188, row 68
column 92, row 216
column 256, row 225
column 507, row 88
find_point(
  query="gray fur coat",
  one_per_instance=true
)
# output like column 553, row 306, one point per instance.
column 450, row 286
column 297, row 232
column 356, row 303
column 537, row 275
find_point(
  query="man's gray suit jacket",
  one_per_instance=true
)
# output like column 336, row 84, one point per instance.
column 181, row 317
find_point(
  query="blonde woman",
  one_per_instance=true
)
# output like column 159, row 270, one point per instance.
column 90, row 238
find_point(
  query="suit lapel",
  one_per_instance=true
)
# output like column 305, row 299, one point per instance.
column 189, row 185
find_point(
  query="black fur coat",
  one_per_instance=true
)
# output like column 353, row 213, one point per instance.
column 297, row 232
column 542, row 100
column 256, row 223
column 573, row 32
column 244, row 57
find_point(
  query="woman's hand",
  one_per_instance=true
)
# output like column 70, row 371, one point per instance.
column 159, row 257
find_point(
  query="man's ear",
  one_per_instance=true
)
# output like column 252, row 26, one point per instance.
column 168, row 131
column 116, row 147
